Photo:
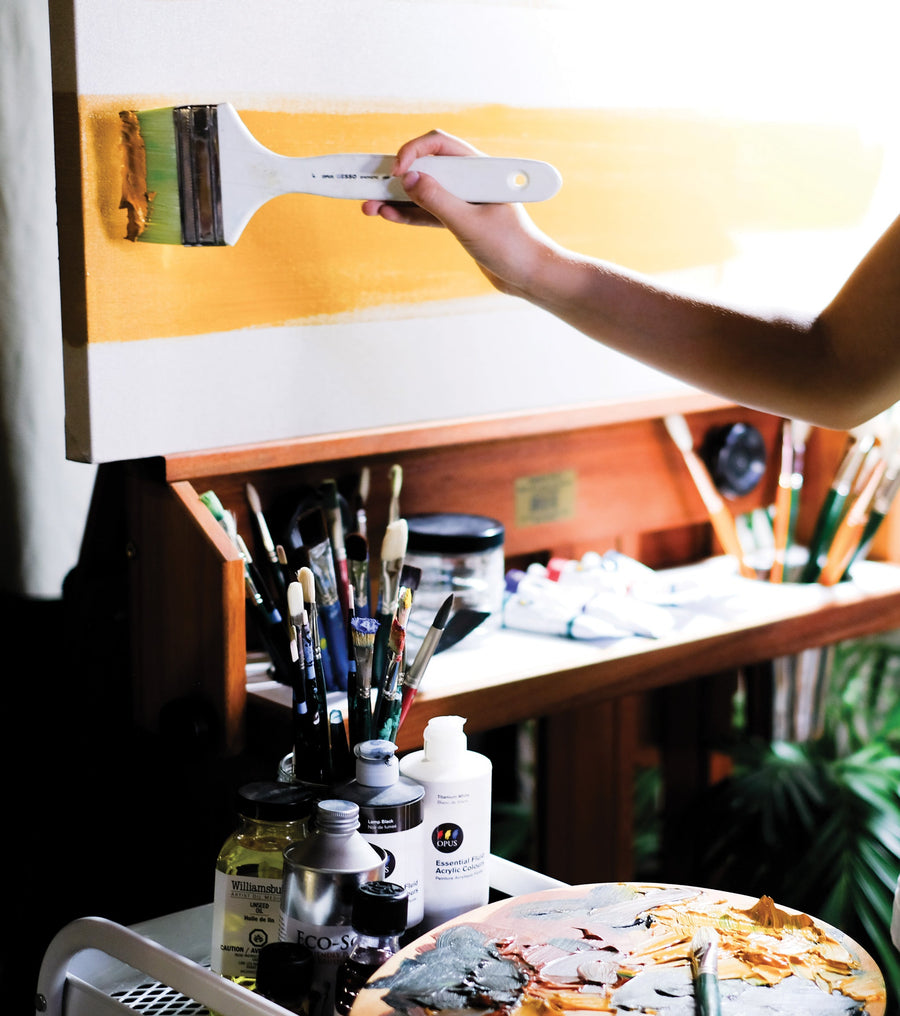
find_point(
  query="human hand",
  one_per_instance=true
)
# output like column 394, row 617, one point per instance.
column 500, row 237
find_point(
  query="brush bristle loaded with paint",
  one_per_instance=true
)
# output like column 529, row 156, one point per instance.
column 151, row 194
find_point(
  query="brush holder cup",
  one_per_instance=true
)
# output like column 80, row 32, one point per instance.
column 459, row 554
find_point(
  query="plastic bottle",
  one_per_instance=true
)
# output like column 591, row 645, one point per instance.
column 249, row 870
column 457, row 819
column 321, row 876
column 379, row 919
column 391, row 817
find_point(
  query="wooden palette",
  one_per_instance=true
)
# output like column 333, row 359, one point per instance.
column 624, row 947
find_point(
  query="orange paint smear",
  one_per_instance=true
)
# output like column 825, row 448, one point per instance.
column 656, row 192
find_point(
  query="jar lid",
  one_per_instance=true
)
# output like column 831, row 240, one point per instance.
column 284, row 972
column 380, row 908
column 272, row 801
column 453, row 533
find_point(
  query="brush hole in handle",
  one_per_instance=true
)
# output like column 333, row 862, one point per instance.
column 488, row 179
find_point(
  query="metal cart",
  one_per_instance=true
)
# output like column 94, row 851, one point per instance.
column 95, row 967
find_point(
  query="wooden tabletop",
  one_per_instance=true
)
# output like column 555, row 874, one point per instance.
column 601, row 946
column 507, row 676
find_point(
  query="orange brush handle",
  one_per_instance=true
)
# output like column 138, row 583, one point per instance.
column 781, row 526
column 848, row 535
column 726, row 532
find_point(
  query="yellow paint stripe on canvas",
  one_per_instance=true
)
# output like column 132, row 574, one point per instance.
column 658, row 192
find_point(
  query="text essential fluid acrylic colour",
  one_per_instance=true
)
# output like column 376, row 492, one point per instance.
column 457, row 819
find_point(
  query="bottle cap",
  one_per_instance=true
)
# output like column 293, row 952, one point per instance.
column 380, row 908
column 376, row 763
column 271, row 801
column 284, row 973
column 337, row 816
column 444, row 738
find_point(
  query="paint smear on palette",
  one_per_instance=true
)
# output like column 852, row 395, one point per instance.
column 623, row 947
column 658, row 192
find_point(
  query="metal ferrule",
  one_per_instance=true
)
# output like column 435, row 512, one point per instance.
column 197, row 151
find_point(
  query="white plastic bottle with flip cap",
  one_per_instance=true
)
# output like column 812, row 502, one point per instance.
column 457, row 819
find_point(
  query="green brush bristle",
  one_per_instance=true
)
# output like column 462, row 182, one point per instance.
column 164, row 215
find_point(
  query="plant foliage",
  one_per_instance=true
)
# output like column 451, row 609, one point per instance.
column 816, row 825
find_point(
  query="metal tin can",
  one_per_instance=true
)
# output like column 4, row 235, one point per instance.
column 320, row 880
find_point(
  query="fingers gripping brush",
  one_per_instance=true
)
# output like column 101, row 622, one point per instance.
column 195, row 176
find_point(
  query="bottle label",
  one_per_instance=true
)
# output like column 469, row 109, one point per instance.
column 330, row 944
column 246, row 914
column 404, row 848
column 456, row 875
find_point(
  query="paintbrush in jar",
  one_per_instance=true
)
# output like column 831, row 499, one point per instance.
column 387, row 709
column 361, row 502
column 413, row 673
column 313, row 530
column 308, row 584
column 265, row 539
column 358, row 572
column 719, row 515
column 859, row 444
column 331, row 508
column 363, row 630
column 393, row 552
column 395, row 479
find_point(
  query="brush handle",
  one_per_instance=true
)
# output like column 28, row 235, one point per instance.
column 252, row 174
column 332, row 618
column 706, row 994
column 826, row 526
column 784, row 509
column 480, row 179
column 849, row 533
column 873, row 524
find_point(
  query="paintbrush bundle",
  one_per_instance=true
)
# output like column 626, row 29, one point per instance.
column 763, row 540
column 855, row 505
column 264, row 613
column 309, row 594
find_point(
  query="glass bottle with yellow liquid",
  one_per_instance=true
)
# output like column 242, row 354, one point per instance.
column 247, row 898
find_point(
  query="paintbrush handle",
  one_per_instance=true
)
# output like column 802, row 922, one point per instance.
column 826, row 525
column 361, row 176
column 781, row 530
column 845, row 541
column 873, row 524
column 726, row 533
column 708, row 999
column 252, row 174
column 850, row 532
column 332, row 619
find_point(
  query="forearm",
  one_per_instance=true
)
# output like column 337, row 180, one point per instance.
column 837, row 369
column 787, row 365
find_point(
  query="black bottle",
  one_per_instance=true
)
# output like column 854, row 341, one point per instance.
column 284, row 975
column 379, row 919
